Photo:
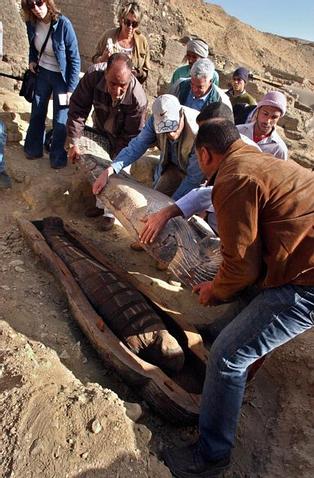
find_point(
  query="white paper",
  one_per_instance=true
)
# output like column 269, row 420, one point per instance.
column 63, row 99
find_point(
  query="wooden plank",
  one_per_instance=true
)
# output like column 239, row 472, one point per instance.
column 267, row 80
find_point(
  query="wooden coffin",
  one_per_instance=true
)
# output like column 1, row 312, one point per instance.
column 176, row 397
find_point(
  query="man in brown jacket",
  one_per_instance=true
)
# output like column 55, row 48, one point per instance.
column 120, row 105
column 265, row 216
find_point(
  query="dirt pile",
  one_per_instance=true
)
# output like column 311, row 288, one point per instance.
column 52, row 425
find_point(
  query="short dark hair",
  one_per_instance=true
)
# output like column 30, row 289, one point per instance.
column 119, row 57
column 217, row 109
column 217, row 135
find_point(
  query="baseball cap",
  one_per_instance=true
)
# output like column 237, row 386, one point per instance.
column 166, row 112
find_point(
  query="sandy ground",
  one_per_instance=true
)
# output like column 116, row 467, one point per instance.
column 46, row 426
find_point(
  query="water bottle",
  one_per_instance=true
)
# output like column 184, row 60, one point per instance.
column 1, row 40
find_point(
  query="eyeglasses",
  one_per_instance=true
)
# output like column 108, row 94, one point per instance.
column 129, row 23
column 36, row 3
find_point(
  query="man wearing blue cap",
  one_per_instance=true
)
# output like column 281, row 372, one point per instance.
column 237, row 93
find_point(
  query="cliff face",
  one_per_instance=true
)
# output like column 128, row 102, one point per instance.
column 242, row 44
column 165, row 23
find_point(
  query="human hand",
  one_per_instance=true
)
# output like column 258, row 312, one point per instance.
column 33, row 67
column 102, row 180
column 154, row 223
column 105, row 56
column 74, row 154
column 205, row 291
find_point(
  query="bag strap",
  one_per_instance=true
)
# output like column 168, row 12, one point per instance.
column 45, row 42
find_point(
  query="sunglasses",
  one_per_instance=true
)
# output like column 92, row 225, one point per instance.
column 36, row 3
column 129, row 23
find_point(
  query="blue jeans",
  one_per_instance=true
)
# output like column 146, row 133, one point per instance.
column 271, row 319
column 3, row 138
column 47, row 83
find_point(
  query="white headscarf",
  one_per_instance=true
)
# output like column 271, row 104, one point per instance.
column 198, row 46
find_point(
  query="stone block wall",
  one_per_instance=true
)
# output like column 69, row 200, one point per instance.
column 90, row 19
column 15, row 43
column 163, row 25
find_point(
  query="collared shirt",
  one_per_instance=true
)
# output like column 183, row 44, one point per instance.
column 196, row 103
column 272, row 144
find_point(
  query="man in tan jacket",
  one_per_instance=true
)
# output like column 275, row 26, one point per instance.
column 265, row 216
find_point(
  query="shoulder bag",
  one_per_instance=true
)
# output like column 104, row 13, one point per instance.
column 29, row 79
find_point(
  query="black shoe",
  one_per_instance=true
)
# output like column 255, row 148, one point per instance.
column 5, row 181
column 58, row 165
column 30, row 156
column 188, row 462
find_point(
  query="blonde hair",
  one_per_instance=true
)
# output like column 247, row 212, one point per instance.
column 53, row 11
column 130, row 7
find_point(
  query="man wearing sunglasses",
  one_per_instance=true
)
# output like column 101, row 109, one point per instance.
column 173, row 128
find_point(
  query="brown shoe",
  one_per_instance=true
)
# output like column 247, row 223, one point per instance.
column 93, row 212
column 137, row 246
column 106, row 223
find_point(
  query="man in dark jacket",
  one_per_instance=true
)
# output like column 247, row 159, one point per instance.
column 120, row 105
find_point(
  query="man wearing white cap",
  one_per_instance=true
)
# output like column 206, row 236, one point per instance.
column 173, row 128
column 196, row 48
column 261, row 124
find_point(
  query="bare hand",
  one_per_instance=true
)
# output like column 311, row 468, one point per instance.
column 154, row 223
column 33, row 67
column 74, row 154
column 102, row 180
column 206, row 296
column 104, row 57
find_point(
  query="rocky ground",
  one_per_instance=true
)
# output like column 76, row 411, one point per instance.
column 61, row 409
